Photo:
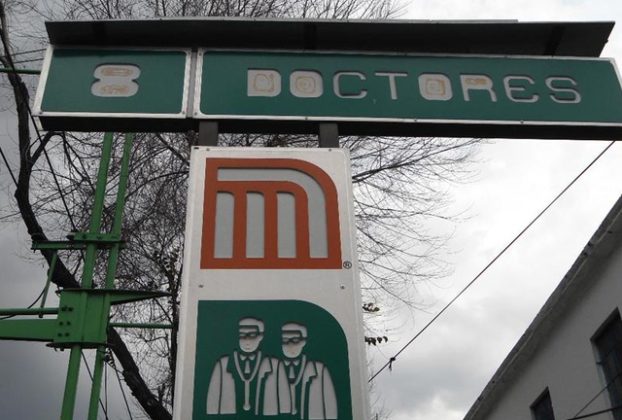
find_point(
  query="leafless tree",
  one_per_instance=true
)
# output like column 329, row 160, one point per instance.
column 398, row 188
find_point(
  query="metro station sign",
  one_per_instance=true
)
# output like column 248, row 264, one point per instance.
column 366, row 93
column 271, row 317
column 460, row 89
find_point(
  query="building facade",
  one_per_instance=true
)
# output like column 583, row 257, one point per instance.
column 568, row 363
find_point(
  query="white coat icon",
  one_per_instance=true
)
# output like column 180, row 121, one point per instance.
column 262, row 378
column 295, row 385
column 311, row 386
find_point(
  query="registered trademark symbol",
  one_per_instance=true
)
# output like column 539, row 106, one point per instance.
column 347, row 264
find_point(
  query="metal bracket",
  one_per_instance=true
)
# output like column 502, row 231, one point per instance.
column 82, row 319
column 329, row 135
column 208, row 133
column 79, row 240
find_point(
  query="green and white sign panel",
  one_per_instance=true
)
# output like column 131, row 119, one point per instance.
column 403, row 88
column 271, row 321
column 114, row 83
column 376, row 94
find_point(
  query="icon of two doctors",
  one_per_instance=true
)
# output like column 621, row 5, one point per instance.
column 249, row 381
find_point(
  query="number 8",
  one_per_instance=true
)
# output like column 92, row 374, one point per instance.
column 115, row 80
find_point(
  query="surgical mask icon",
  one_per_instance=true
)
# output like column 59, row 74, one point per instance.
column 306, row 84
column 263, row 82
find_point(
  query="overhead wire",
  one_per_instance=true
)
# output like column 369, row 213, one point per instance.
column 45, row 153
column 88, row 369
column 116, row 371
column 27, row 307
column 598, row 394
column 6, row 162
column 391, row 360
column 31, row 60
column 12, row 64
column 27, row 52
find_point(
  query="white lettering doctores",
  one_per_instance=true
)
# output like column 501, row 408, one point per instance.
column 475, row 87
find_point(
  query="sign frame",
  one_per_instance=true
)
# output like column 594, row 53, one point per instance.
column 338, row 288
column 410, row 127
column 44, row 115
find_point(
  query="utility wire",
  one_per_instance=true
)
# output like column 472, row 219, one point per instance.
column 116, row 371
column 27, row 52
column 32, row 60
column 88, row 369
column 6, row 162
column 34, row 123
column 576, row 178
column 596, row 413
column 28, row 307
column 578, row 415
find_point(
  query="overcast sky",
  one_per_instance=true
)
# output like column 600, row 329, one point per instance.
column 443, row 372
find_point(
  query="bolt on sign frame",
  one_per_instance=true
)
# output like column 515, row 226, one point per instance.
column 402, row 78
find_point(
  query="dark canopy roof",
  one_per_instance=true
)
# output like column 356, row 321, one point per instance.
column 448, row 37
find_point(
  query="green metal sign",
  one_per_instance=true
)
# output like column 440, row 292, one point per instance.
column 270, row 359
column 114, row 83
column 367, row 94
column 441, row 89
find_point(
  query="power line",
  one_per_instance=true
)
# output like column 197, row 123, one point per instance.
column 27, row 52
column 88, row 369
column 27, row 307
column 34, row 123
column 32, row 60
column 578, row 414
column 576, row 178
column 127, row 405
column 6, row 162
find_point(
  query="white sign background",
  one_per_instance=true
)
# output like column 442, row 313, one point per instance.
column 335, row 290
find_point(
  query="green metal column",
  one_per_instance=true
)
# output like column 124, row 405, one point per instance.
column 113, row 258
column 73, row 370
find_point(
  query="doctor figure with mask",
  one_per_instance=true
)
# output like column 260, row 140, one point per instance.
column 247, row 381
column 311, row 387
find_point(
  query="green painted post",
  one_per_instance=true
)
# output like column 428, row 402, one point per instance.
column 73, row 370
column 48, row 281
column 71, row 383
column 113, row 258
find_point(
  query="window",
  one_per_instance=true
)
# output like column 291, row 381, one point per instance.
column 542, row 408
column 608, row 342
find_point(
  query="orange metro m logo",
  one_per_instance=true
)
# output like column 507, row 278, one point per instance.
column 269, row 213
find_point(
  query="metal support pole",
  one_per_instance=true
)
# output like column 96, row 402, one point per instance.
column 73, row 370
column 71, row 384
column 329, row 135
column 113, row 258
column 48, row 281
column 208, row 133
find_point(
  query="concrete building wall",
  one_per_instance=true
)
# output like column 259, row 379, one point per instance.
column 565, row 361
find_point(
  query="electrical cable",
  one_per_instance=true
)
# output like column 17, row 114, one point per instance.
column 88, row 369
column 389, row 364
column 27, row 307
column 27, row 52
column 596, row 413
column 127, row 405
column 32, row 60
column 106, row 386
column 578, row 414
column 6, row 162
column 45, row 153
